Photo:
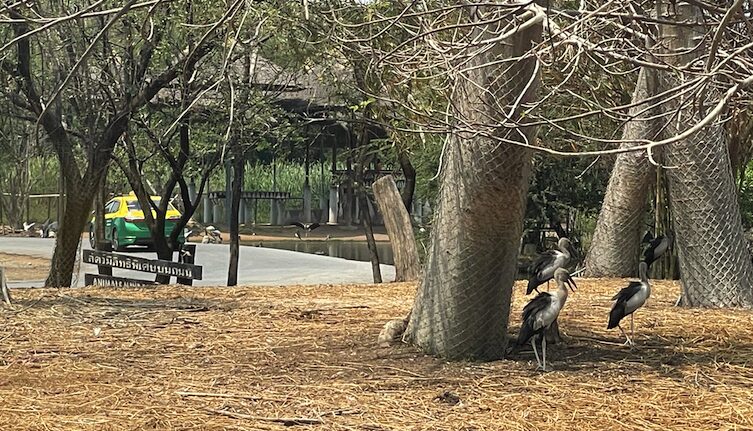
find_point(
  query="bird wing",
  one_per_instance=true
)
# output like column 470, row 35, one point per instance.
column 627, row 292
column 540, row 302
column 313, row 226
column 647, row 237
column 530, row 311
column 542, row 261
column 622, row 306
column 299, row 224
column 650, row 254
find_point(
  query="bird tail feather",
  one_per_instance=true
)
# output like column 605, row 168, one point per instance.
column 526, row 332
column 615, row 316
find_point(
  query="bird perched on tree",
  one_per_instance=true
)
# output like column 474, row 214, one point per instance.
column 656, row 248
column 308, row 227
column 542, row 311
column 546, row 264
column 628, row 300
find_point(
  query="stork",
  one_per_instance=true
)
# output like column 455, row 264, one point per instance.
column 628, row 300
column 308, row 227
column 542, row 311
column 49, row 229
column 546, row 264
column 656, row 248
column 212, row 235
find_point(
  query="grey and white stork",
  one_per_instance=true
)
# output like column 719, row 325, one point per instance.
column 308, row 227
column 656, row 248
column 628, row 300
column 542, row 311
column 546, row 264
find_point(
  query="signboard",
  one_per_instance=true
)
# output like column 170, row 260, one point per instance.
column 162, row 267
column 108, row 280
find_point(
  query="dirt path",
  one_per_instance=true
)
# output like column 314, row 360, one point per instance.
column 20, row 267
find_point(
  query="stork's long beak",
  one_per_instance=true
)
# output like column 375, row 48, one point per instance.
column 572, row 286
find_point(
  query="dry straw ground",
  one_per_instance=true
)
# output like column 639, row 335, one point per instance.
column 263, row 358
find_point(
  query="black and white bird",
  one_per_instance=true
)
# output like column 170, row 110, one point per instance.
column 547, row 263
column 628, row 300
column 308, row 227
column 656, row 248
column 28, row 226
column 49, row 229
column 542, row 311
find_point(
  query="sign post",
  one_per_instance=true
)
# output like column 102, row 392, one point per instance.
column 184, row 271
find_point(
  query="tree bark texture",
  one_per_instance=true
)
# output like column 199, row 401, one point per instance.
column 75, row 218
column 616, row 244
column 409, row 172
column 715, row 266
column 239, row 163
column 463, row 303
column 399, row 228
column 7, row 299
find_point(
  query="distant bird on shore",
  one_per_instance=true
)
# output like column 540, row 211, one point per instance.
column 308, row 227
column 656, row 248
column 542, row 311
column 547, row 263
column 212, row 235
column 49, row 229
column 628, row 300
column 28, row 226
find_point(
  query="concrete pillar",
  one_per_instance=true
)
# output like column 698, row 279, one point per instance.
column 273, row 210
column 357, row 212
column 306, row 202
column 207, row 210
column 192, row 190
column 216, row 212
column 249, row 211
column 334, row 203
column 280, row 212
column 323, row 210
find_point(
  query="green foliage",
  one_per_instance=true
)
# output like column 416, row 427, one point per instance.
column 745, row 197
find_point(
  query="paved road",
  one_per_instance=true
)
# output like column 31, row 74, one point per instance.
column 258, row 265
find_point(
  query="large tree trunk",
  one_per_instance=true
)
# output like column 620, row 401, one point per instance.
column 75, row 217
column 463, row 303
column 399, row 228
column 624, row 207
column 714, row 264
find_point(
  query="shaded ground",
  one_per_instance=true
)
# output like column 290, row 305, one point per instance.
column 23, row 268
column 252, row 358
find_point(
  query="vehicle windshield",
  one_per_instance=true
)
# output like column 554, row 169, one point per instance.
column 135, row 206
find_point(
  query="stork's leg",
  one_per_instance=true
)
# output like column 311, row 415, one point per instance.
column 632, row 333
column 543, row 352
column 535, row 352
column 628, row 340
